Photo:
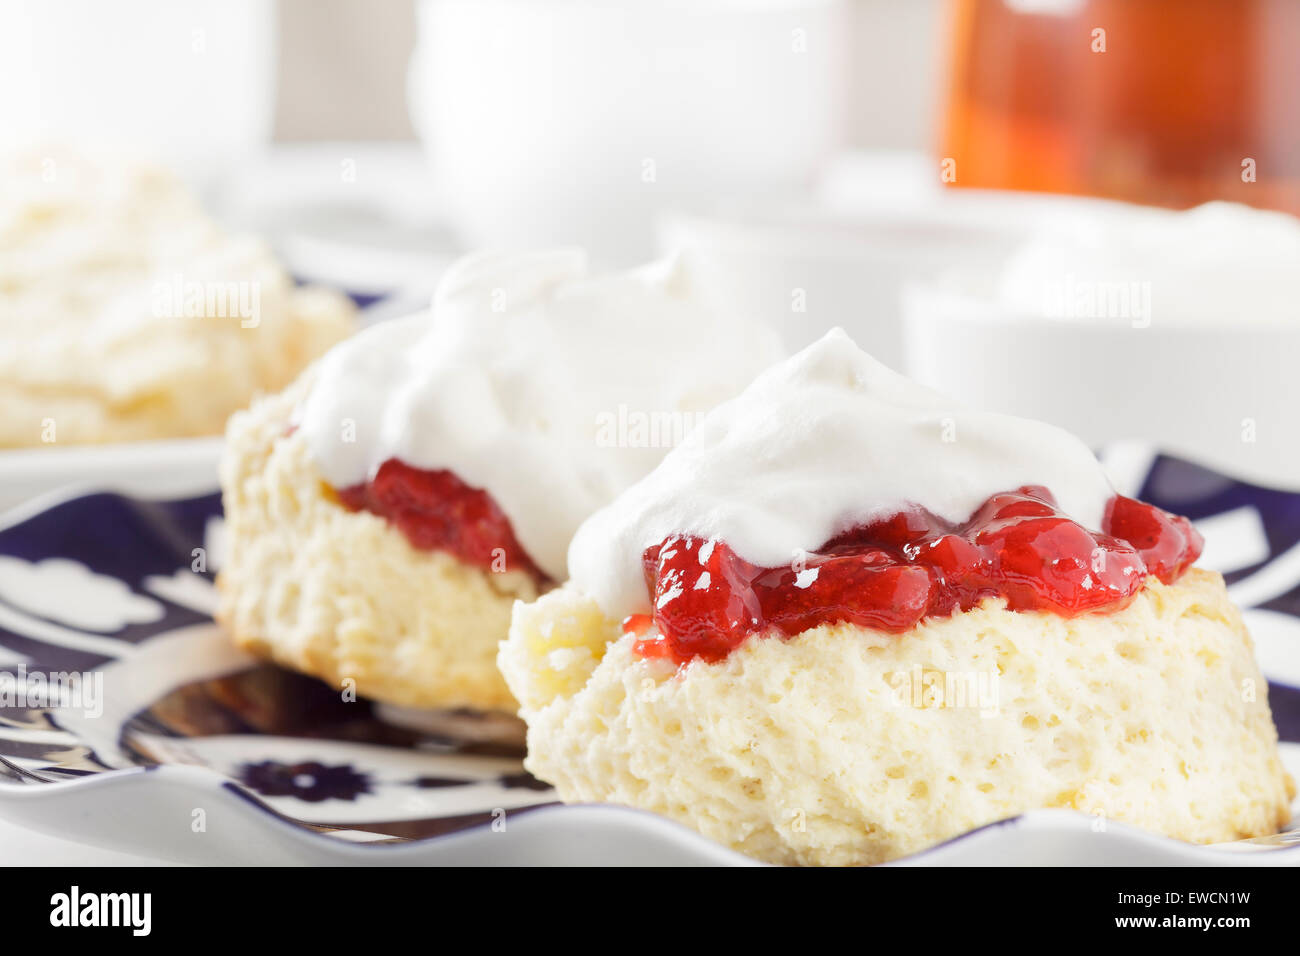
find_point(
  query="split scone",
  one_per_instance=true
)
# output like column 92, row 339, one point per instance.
column 385, row 512
column 126, row 313
column 847, row 619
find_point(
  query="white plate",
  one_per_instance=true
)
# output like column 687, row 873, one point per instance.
column 161, row 469
column 256, row 765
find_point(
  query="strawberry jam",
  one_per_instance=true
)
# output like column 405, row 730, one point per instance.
column 438, row 511
column 892, row 574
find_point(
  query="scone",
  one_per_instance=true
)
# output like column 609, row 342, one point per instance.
column 385, row 512
column 847, row 619
column 126, row 313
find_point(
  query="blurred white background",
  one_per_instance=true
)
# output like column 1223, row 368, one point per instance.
column 342, row 72
column 796, row 147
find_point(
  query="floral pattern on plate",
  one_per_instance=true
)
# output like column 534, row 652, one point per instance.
column 110, row 660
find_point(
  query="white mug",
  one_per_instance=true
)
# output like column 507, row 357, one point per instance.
column 577, row 121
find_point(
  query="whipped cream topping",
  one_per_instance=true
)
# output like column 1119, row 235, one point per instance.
column 549, row 388
column 1220, row 263
column 825, row 441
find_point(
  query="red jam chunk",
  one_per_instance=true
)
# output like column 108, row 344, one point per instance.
column 438, row 511
column 892, row 574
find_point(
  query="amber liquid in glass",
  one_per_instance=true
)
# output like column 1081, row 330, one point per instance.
column 1175, row 102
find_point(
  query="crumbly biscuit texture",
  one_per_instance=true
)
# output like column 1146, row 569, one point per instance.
column 342, row 595
column 850, row 746
column 127, row 314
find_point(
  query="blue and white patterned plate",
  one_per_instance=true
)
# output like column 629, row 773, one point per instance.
column 127, row 718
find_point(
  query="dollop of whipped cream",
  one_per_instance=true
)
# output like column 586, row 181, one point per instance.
column 1218, row 264
column 551, row 389
column 823, row 442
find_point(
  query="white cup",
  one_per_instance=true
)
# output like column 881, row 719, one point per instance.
column 804, row 274
column 1222, row 395
column 882, row 221
column 576, row 121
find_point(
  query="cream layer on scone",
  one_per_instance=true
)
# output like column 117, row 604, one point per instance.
column 342, row 594
column 509, row 410
column 848, row 618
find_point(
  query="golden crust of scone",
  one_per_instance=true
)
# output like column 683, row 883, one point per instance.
column 127, row 313
column 845, row 745
column 342, row 595
column 176, row 378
